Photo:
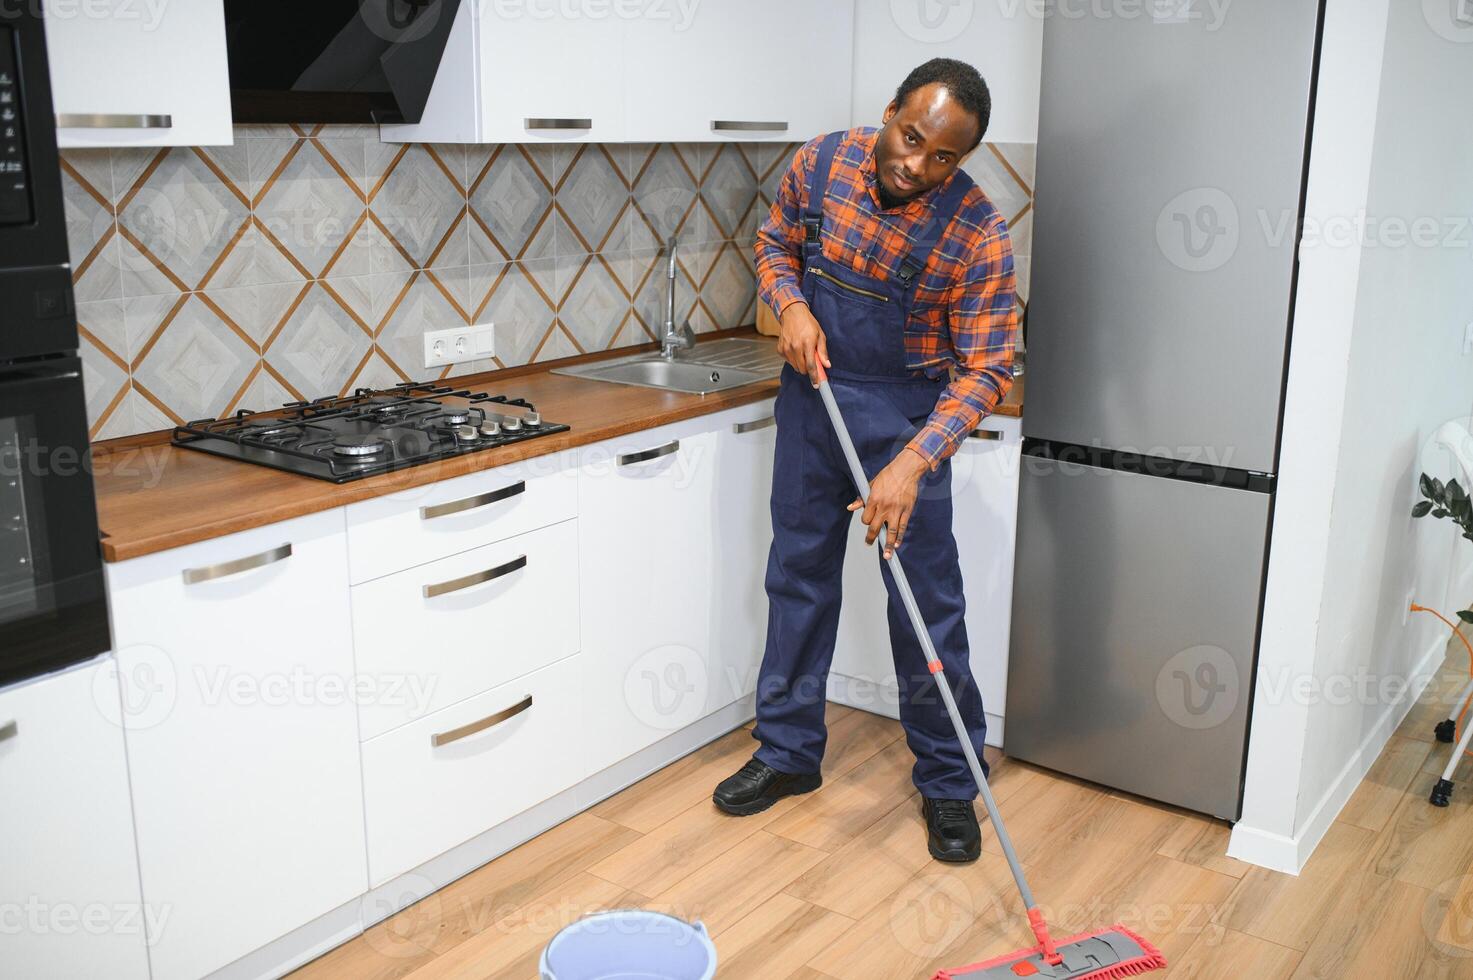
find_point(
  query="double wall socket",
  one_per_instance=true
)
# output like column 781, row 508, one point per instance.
column 459, row 344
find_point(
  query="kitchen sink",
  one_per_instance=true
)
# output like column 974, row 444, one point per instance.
column 711, row 366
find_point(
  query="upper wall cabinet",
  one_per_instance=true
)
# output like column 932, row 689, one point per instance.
column 125, row 73
column 675, row 70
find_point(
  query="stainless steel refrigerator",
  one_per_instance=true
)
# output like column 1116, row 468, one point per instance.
column 1172, row 154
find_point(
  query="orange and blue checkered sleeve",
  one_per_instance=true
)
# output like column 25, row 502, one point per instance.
column 779, row 247
column 983, row 320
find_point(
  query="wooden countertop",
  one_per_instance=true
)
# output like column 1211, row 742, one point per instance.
column 152, row 496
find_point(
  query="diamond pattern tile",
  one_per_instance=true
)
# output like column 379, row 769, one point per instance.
column 216, row 278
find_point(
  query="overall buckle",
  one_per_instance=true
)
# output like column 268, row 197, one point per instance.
column 908, row 271
column 812, row 230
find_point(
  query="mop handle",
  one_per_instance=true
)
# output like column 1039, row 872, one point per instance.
column 924, row 635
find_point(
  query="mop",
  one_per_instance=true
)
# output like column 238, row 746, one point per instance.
column 1107, row 953
column 1442, row 792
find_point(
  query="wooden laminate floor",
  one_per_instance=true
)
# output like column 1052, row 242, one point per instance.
column 838, row 884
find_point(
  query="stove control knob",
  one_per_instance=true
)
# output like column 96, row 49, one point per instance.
column 512, row 425
column 467, row 432
column 532, row 419
column 490, row 427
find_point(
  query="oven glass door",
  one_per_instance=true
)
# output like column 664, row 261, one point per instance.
column 53, row 609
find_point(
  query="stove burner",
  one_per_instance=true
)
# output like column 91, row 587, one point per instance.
column 359, row 445
column 273, row 429
column 454, row 416
column 385, row 408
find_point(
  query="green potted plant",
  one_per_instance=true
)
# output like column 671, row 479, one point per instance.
column 1448, row 500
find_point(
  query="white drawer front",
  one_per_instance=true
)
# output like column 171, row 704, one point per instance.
column 421, row 799
column 439, row 633
column 391, row 533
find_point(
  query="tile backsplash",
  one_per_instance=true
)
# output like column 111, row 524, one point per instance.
column 303, row 262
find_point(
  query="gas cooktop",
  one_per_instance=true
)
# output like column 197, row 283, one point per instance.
column 371, row 431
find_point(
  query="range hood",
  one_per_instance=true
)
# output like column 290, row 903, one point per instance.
column 334, row 61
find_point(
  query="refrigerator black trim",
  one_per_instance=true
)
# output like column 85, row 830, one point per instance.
column 1158, row 466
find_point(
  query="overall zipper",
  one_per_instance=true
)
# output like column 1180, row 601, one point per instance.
column 844, row 285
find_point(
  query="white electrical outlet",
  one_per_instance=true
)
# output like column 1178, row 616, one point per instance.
column 1468, row 339
column 1463, row 10
column 1406, row 607
column 459, row 344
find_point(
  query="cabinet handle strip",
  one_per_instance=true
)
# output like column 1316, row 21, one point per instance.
column 747, row 126
column 557, row 123
column 475, row 578
column 988, row 434
column 194, row 576
column 9, row 730
column 113, row 120
column 471, row 503
column 645, row 455
column 490, row 721
column 752, row 426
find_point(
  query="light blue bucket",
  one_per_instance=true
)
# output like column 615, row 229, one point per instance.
column 629, row 944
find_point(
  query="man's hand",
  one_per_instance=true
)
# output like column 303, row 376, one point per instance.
column 800, row 340
column 892, row 497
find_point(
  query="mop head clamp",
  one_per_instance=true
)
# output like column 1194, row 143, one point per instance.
column 1104, row 955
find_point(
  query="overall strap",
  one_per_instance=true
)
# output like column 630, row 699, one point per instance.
column 946, row 208
column 813, row 212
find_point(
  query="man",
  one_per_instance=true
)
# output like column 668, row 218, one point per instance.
column 888, row 266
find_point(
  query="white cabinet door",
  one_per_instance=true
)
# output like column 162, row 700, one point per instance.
column 741, row 70
column 551, row 72
column 741, row 535
column 236, row 662
column 158, row 67
column 69, row 892
column 645, row 554
column 984, row 485
column 984, row 480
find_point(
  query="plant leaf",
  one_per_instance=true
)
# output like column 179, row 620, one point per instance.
column 1455, row 491
column 1426, row 484
column 1439, row 513
column 1438, row 489
column 1422, row 509
column 1466, row 616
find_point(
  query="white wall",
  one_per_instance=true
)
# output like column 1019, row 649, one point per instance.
column 1375, row 368
column 1002, row 40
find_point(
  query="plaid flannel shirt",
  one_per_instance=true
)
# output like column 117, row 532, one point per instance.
column 964, row 320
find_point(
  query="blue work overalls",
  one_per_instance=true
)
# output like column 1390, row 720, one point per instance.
column 884, row 405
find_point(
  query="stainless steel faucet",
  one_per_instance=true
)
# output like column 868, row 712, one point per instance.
column 673, row 338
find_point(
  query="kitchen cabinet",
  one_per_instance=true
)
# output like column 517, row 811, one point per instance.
column 529, row 73
column 645, row 554
column 984, row 486
column 69, row 894
column 741, row 529
column 126, row 73
column 717, row 77
column 236, row 663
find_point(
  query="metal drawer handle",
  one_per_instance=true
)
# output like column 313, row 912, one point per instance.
column 557, row 123
column 475, row 578
column 747, row 126
column 992, row 435
column 471, row 503
column 754, row 425
column 194, row 576
column 490, row 721
column 9, row 730
column 113, row 120
column 645, row 455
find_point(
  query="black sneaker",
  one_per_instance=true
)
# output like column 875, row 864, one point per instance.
column 756, row 786
column 952, row 833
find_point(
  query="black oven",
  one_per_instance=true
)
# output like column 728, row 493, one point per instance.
column 53, row 608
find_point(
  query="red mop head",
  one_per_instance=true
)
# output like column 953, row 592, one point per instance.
column 1107, row 954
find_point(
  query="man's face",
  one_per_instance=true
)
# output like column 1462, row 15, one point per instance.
column 922, row 142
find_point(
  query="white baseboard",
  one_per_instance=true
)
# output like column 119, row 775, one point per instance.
column 1290, row 854
column 884, row 700
column 342, row 924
